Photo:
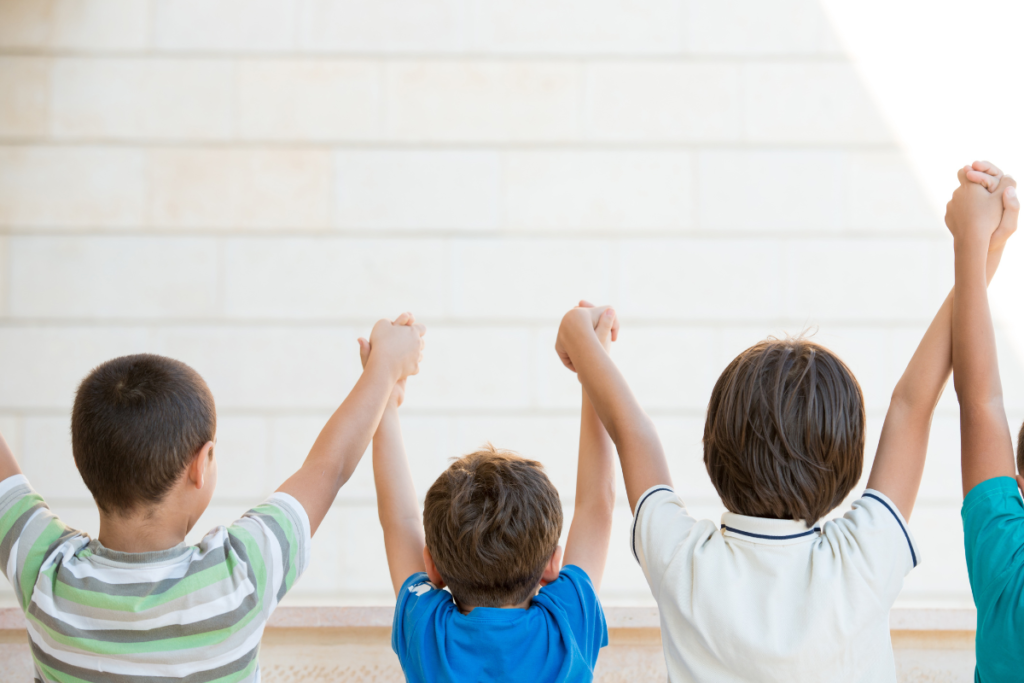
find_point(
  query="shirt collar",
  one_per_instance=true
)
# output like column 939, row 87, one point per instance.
column 154, row 557
column 767, row 530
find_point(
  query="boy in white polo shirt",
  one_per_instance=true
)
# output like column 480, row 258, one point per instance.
column 774, row 593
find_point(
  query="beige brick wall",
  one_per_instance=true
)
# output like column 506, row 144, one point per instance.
column 247, row 184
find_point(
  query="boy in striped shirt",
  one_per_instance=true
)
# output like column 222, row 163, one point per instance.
column 137, row 603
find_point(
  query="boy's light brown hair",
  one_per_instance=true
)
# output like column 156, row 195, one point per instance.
column 492, row 521
column 784, row 435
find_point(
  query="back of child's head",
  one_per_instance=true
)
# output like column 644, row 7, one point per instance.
column 784, row 436
column 492, row 523
column 137, row 423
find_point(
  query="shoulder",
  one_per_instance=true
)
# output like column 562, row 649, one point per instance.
column 420, row 612
column 662, row 524
column 282, row 512
column 17, row 496
column 280, row 520
column 993, row 519
column 276, row 532
column 571, row 605
column 25, row 516
column 418, row 591
column 996, row 497
column 873, row 526
column 417, row 600
column 572, row 580
column 16, row 484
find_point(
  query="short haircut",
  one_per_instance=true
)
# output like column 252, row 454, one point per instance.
column 492, row 523
column 137, row 423
column 784, row 436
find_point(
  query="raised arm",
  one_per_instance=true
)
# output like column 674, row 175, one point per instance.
column 973, row 217
column 8, row 465
column 899, row 461
column 640, row 453
column 591, row 528
column 343, row 440
column 397, row 505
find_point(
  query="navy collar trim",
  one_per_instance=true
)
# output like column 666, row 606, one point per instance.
column 815, row 530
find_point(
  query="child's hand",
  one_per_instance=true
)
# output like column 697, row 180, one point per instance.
column 1008, row 223
column 988, row 174
column 398, row 393
column 607, row 326
column 399, row 344
column 984, row 173
column 584, row 319
column 974, row 214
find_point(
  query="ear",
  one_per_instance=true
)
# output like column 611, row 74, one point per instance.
column 554, row 567
column 197, row 470
column 432, row 573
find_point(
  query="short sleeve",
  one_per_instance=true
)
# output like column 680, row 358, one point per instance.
column 275, row 539
column 660, row 526
column 418, row 600
column 29, row 533
column 873, row 540
column 573, row 593
column 993, row 516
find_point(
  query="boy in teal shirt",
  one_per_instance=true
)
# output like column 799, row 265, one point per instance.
column 982, row 215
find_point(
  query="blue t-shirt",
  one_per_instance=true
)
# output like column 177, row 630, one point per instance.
column 556, row 639
column 993, row 516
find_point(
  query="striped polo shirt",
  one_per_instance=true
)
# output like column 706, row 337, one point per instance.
column 190, row 613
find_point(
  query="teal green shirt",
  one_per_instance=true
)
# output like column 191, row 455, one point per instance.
column 993, row 516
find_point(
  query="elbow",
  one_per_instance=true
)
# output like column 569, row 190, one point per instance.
column 985, row 405
column 973, row 397
column 910, row 403
column 598, row 501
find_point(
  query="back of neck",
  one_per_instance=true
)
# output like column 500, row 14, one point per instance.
column 144, row 530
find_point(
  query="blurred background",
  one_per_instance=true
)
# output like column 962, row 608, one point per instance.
column 246, row 185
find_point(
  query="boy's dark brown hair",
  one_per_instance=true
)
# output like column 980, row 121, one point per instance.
column 136, row 425
column 784, row 435
column 1020, row 450
column 492, row 522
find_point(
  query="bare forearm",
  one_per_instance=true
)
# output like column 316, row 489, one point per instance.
column 634, row 435
column 928, row 371
column 397, row 506
column 341, row 444
column 974, row 345
column 595, row 479
column 986, row 446
column 8, row 464
column 903, row 446
column 590, row 533
column 396, row 494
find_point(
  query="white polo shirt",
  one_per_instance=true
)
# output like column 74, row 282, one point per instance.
column 762, row 599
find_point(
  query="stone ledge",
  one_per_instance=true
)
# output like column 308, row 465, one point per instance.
column 12, row 619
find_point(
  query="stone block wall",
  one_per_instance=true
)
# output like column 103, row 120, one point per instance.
column 248, row 185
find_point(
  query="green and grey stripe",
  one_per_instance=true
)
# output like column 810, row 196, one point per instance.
column 189, row 613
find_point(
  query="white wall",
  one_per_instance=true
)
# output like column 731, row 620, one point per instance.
column 247, row 186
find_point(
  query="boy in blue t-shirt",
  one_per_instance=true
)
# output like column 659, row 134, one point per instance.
column 982, row 215
column 493, row 522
